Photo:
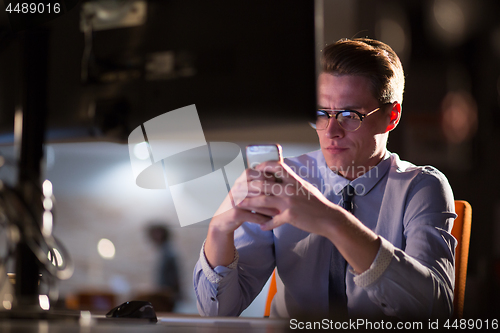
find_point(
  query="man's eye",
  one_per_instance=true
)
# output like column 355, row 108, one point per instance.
column 348, row 115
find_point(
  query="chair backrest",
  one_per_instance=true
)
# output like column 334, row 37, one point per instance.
column 270, row 294
column 461, row 231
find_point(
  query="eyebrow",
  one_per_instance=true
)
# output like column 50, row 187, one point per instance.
column 344, row 108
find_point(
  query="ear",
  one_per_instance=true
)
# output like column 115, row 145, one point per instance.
column 395, row 116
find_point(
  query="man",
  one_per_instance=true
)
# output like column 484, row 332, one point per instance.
column 167, row 271
column 167, row 292
column 380, row 247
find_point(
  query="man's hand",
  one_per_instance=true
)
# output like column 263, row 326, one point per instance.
column 219, row 246
column 296, row 201
column 230, row 215
column 302, row 205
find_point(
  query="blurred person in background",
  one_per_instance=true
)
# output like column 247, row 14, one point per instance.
column 166, row 270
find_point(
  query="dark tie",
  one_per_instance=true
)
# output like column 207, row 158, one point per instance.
column 337, row 288
column 347, row 195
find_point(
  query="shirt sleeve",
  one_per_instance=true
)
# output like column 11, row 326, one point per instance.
column 227, row 291
column 210, row 273
column 417, row 281
column 378, row 267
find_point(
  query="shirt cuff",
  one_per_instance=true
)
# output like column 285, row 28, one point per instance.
column 378, row 266
column 209, row 272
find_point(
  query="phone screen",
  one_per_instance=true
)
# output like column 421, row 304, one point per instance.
column 257, row 154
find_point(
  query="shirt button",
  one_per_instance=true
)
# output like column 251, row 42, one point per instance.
column 212, row 299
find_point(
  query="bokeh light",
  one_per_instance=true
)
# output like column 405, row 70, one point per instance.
column 106, row 248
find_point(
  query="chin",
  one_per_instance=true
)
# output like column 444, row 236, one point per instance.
column 338, row 167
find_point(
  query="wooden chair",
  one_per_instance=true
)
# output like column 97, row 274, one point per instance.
column 461, row 231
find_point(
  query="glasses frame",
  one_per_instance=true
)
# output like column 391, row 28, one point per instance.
column 335, row 113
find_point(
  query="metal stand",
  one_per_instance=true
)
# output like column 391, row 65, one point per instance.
column 29, row 144
column 29, row 133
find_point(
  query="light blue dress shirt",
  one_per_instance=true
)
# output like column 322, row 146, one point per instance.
column 412, row 210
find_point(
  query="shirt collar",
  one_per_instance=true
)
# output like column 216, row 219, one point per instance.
column 363, row 184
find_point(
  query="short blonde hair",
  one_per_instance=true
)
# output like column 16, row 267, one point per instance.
column 370, row 58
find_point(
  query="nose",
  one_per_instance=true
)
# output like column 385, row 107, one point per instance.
column 334, row 130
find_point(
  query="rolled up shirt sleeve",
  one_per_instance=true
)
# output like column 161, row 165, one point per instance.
column 228, row 290
column 208, row 280
column 216, row 275
column 378, row 267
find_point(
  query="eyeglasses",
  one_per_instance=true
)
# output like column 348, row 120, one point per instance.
column 349, row 120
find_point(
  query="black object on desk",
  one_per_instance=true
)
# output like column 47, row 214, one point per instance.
column 134, row 309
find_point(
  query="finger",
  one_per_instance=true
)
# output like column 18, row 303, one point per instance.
column 284, row 189
column 259, row 210
column 233, row 219
column 255, row 187
column 247, row 176
column 266, row 187
column 252, row 189
column 239, row 192
column 279, row 170
column 269, row 166
column 248, row 184
column 253, row 174
column 260, row 203
column 271, row 224
column 248, row 216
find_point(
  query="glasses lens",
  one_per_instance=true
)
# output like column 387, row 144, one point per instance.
column 349, row 120
column 321, row 120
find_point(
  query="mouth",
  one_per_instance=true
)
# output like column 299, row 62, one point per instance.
column 335, row 149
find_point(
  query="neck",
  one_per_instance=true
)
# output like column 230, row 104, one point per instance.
column 353, row 172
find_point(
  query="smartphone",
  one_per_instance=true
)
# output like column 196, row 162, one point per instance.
column 257, row 154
